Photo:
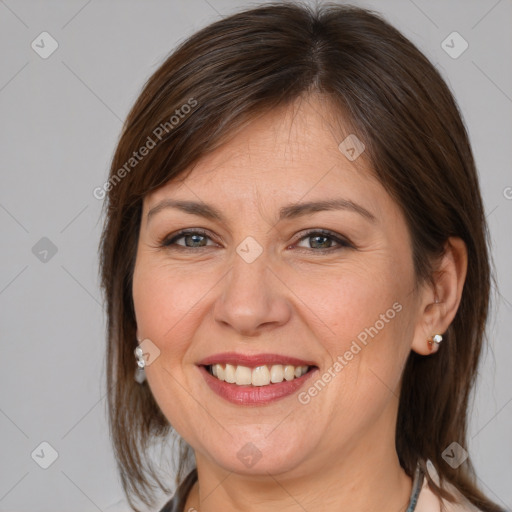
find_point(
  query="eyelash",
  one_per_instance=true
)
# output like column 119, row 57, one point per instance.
column 168, row 242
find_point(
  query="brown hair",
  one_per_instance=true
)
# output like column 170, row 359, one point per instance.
column 392, row 97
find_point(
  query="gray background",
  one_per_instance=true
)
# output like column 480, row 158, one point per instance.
column 60, row 120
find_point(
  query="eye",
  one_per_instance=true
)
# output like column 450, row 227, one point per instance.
column 194, row 238
column 321, row 240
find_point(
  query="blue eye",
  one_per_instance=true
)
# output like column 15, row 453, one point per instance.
column 193, row 239
column 320, row 240
column 323, row 240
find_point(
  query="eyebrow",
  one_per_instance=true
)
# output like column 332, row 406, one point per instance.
column 290, row 211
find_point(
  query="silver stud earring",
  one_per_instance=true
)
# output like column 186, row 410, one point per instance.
column 140, row 374
column 436, row 338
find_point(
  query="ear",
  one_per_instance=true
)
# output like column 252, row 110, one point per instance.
column 440, row 299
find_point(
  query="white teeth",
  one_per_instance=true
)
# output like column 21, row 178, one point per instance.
column 243, row 376
column 259, row 376
column 276, row 373
column 289, row 372
column 229, row 373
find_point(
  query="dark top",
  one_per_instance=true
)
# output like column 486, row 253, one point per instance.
column 177, row 502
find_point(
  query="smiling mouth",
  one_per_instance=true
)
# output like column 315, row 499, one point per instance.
column 264, row 375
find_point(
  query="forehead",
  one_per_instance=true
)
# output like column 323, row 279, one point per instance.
column 288, row 154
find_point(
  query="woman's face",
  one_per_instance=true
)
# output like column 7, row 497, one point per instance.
column 259, row 274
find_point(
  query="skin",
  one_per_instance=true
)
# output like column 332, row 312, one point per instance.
column 336, row 452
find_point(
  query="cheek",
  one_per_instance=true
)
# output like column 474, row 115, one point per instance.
column 166, row 302
column 363, row 318
column 348, row 302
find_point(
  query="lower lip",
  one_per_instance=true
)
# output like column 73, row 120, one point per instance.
column 254, row 395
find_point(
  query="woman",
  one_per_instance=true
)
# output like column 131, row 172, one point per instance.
column 294, row 259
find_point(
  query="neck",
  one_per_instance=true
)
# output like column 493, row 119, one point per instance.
column 364, row 477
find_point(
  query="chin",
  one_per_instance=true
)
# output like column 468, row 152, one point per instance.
column 260, row 455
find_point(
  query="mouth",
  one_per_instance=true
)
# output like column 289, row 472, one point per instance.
column 256, row 379
column 263, row 375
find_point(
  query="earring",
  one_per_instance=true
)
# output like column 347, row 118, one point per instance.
column 435, row 338
column 140, row 374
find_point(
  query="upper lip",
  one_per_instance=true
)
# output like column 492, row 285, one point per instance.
column 253, row 360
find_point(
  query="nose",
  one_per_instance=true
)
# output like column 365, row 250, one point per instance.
column 253, row 298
